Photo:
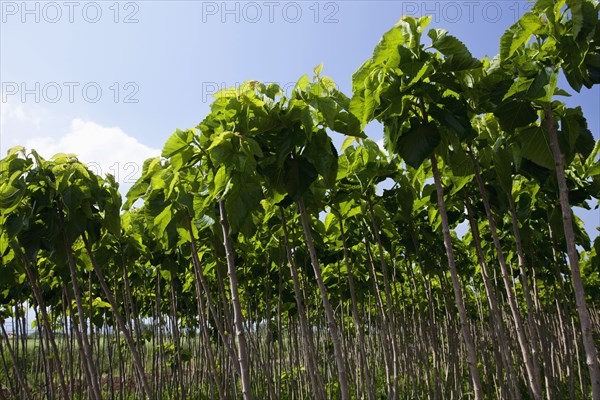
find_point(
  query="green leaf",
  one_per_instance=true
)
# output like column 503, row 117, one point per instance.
column 572, row 56
column 458, row 182
column 591, row 158
column 412, row 29
column 299, row 175
column 163, row 219
column 460, row 163
column 317, row 70
column 581, row 236
column 515, row 113
column 549, row 77
column 14, row 150
column 457, row 56
column 535, row 146
column 454, row 116
column 99, row 303
column 540, row 88
column 241, row 200
column 585, row 143
column 137, row 190
column 13, row 224
column 205, row 221
column 182, row 156
column 330, row 223
column 301, row 85
column 418, row 143
column 11, row 196
column 589, row 28
column 323, row 156
column 221, row 139
column 576, row 15
column 112, row 219
column 221, row 180
column 519, row 34
column 347, row 142
column 365, row 101
column 386, row 51
column 221, row 149
column 503, row 169
column 177, row 142
column 61, row 158
column 592, row 65
column 140, row 187
column 254, row 147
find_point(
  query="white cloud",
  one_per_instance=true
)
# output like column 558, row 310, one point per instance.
column 9, row 111
column 20, row 122
column 106, row 150
column 17, row 113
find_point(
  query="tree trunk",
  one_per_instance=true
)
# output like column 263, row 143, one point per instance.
column 355, row 315
column 15, row 366
column 533, row 328
column 35, row 288
column 199, row 283
column 237, row 307
column 317, row 382
column 200, row 278
column 88, row 362
column 584, row 316
column 388, row 299
column 458, row 296
column 499, row 330
column 137, row 361
column 331, row 322
column 385, row 331
column 532, row 373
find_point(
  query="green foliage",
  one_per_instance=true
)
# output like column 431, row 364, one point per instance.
column 258, row 151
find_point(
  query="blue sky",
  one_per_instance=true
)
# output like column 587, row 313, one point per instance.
column 111, row 80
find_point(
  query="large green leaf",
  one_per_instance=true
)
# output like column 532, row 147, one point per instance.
column 519, row 34
column 242, row 199
column 386, row 51
column 11, row 195
column 515, row 113
column 112, row 219
column 535, row 146
column 585, row 143
column 299, row 175
column 323, row 156
column 454, row 116
column 14, row 223
column 418, row 143
column 460, row 163
column 221, row 181
column 178, row 148
column 540, row 88
column 31, row 240
column 457, row 56
column 221, row 149
column 178, row 141
column 572, row 56
column 502, row 165
column 205, row 221
column 367, row 90
column 576, row 15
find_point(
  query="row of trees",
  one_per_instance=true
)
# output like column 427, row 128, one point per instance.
column 253, row 260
